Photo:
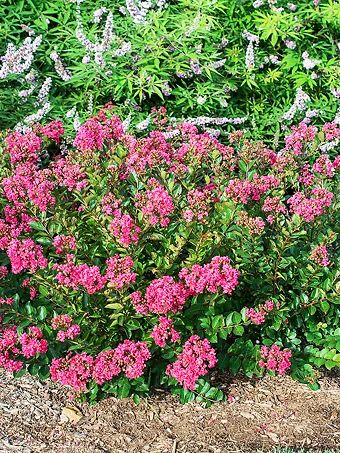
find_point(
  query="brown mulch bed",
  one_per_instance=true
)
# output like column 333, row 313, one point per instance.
column 265, row 413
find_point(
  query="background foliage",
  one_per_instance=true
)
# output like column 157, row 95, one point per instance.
column 182, row 34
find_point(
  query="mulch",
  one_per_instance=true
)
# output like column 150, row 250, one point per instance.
column 263, row 414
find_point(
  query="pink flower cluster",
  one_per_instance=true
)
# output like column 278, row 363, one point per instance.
column 26, row 255
column 66, row 329
column 118, row 271
column 156, row 204
column 29, row 183
column 16, row 222
column 242, row 191
column 275, row 359
column 310, row 207
column 68, row 174
column 331, row 130
column 306, row 176
column 23, row 148
column 299, row 136
column 128, row 357
column 199, row 202
column 53, row 130
column 320, row 255
column 194, row 361
column 6, row 301
column 124, row 229
column 9, row 350
column 162, row 296
column 3, row 272
column 92, row 135
column 81, row 275
column 110, row 204
column 33, row 343
column 258, row 317
column 74, row 371
column 211, row 277
column 147, row 152
column 164, row 332
column 64, row 244
column 324, row 166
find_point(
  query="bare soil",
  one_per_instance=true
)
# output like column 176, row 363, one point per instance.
column 265, row 413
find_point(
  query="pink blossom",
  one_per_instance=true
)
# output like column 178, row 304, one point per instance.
column 164, row 332
column 124, row 229
column 6, row 301
column 23, row 148
column 3, row 272
column 211, row 277
column 275, row 359
column 331, row 130
column 9, row 350
column 53, row 130
column 33, row 343
column 26, row 255
column 300, row 135
column 74, row 371
column 118, row 271
column 68, row 175
column 324, row 166
column 105, row 367
column 194, row 361
column 199, row 202
column 258, row 317
column 64, row 244
column 310, row 207
column 156, row 204
column 131, row 356
column 320, row 255
column 81, row 275
column 162, row 296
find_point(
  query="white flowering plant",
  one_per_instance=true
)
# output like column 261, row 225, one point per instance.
column 227, row 59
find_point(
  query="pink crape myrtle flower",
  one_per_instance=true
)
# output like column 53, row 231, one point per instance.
column 124, row 229
column 164, row 332
column 258, row 317
column 3, row 272
column 162, row 296
column 118, row 271
column 156, row 204
column 300, row 135
column 6, row 301
column 33, row 343
column 320, row 255
column 129, row 357
column 310, row 207
column 64, row 244
column 324, row 166
column 194, row 361
column 53, row 130
column 275, row 359
column 26, row 255
column 74, row 371
column 9, row 349
column 23, row 148
column 218, row 274
column 66, row 329
column 68, row 174
column 331, row 130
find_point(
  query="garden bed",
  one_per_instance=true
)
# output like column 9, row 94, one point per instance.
column 263, row 414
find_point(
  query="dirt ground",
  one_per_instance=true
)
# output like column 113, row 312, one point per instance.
column 265, row 413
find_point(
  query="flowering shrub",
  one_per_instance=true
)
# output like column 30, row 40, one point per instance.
column 132, row 261
column 260, row 61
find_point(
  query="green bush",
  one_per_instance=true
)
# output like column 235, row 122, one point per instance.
column 163, row 238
